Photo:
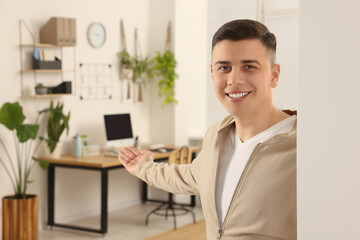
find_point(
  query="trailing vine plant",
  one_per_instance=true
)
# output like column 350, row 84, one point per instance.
column 165, row 65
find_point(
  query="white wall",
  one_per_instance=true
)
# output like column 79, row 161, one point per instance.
column 86, row 116
column 162, row 119
column 328, row 140
column 284, row 22
column 191, row 52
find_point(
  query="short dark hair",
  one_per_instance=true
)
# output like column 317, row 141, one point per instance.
column 245, row 29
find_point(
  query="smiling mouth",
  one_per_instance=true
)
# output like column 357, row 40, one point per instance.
column 237, row 95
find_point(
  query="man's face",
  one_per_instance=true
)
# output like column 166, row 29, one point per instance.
column 243, row 76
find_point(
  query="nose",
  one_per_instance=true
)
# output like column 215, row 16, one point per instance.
column 235, row 78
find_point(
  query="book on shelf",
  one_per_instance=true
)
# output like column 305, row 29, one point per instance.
column 36, row 54
column 44, row 55
column 48, row 55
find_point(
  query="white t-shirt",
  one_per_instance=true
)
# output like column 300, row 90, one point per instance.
column 234, row 159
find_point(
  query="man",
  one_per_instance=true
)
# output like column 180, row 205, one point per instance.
column 246, row 171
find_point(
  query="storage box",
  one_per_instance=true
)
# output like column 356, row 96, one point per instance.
column 59, row 31
column 64, row 87
column 37, row 64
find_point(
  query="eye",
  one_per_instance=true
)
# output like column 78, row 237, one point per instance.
column 225, row 68
column 250, row 67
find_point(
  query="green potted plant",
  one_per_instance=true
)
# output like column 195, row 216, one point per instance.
column 126, row 71
column 143, row 69
column 125, row 59
column 18, row 167
column 165, row 65
column 56, row 124
column 143, row 72
column 41, row 89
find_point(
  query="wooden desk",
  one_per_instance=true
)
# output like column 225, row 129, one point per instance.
column 100, row 163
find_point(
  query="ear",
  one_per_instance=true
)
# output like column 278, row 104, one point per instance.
column 211, row 70
column 275, row 75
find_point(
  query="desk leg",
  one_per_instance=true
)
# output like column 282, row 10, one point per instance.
column 104, row 200
column 193, row 201
column 193, row 197
column 144, row 196
column 51, row 194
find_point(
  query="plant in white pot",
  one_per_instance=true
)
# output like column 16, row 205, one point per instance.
column 41, row 89
column 20, row 211
column 125, row 59
column 126, row 71
column 56, row 124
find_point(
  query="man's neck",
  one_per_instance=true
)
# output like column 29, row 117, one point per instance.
column 259, row 121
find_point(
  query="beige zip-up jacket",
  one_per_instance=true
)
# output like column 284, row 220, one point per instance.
column 264, row 203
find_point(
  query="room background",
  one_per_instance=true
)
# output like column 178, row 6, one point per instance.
column 193, row 23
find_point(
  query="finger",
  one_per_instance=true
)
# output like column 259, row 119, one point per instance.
column 123, row 155
column 128, row 153
column 123, row 160
column 134, row 150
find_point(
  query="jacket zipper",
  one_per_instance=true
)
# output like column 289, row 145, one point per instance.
column 219, row 233
column 222, row 224
column 217, row 169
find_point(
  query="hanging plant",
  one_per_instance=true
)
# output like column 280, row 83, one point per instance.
column 125, row 59
column 142, row 68
column 124, row 56
column 165, row 65
column 143, row 72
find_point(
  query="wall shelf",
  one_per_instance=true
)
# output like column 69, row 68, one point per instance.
column 27, row 69
column 49, row 95
column 48, row 70
column 43, row 45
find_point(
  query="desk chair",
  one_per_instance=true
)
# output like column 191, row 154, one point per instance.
column 179, row 156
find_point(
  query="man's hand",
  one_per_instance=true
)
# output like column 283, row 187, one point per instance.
column 130, row 157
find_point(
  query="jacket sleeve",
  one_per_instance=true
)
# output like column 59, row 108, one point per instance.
column 175, row 178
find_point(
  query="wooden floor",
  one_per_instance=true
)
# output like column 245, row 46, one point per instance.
column 127, row 223
column 187, row 232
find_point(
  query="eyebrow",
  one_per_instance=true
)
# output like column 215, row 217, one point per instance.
column 221, row 62
column 243, row 61
column 251, row 61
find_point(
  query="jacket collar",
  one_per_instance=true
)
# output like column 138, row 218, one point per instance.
column 229, row 121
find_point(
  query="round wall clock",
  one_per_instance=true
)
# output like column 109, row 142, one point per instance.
column 96, row 34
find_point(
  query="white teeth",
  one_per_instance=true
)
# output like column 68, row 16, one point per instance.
column 238, row 95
